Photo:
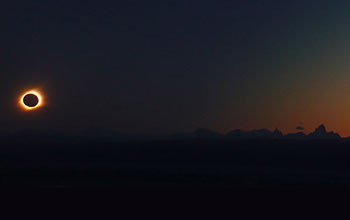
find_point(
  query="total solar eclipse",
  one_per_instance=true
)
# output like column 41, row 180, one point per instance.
column 31, row 100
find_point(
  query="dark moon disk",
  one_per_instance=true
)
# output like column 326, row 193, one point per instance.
column 30, row 100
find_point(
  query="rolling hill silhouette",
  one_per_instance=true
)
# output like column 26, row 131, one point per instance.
column 198, row 133
column 260, row 133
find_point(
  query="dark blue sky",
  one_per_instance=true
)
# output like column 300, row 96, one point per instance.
column 165, row 66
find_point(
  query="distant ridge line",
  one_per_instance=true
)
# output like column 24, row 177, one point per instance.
column 100, row 135
column 320, row 133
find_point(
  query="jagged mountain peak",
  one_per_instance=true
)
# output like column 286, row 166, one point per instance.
column 321, row 133
column 277, row 133
column 321, row 129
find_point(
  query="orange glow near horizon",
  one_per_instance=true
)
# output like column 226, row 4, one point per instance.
column 33, row 92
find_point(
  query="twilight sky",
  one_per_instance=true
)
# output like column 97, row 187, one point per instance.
column 174, row 65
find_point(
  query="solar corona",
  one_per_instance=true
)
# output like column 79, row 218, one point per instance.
column 31, row 100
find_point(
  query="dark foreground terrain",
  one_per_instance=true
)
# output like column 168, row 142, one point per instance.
column 60, row 162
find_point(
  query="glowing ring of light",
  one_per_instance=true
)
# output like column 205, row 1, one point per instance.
column 33, row 92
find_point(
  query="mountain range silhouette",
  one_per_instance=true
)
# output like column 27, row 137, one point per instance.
column 319, row 133
column 98, row 157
